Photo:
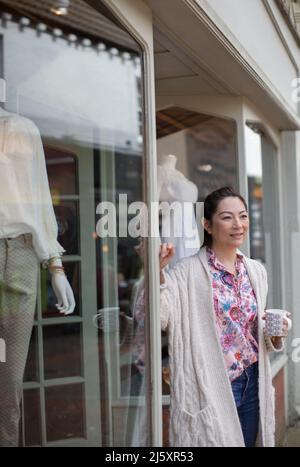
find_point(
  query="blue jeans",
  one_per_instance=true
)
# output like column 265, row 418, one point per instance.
column 245, row 392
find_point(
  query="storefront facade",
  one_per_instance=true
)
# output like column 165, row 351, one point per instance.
column 113, row 86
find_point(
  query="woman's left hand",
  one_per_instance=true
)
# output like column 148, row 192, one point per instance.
column 285, row 327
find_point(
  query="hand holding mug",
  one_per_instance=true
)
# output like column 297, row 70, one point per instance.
column 277, row 322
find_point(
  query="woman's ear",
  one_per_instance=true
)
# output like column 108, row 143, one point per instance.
column 206, row 225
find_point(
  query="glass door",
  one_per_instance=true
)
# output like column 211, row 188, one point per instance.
column 77, row 75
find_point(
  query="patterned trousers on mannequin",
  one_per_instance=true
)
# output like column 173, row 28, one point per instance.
column 18, row 290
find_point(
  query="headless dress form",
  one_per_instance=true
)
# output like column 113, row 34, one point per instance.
column 28, row 234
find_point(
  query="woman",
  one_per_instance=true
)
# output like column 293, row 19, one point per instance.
column 213, row 307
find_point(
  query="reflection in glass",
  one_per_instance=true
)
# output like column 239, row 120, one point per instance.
column 122, row 329
column 255, row 194
column 65, row 412
column 78, row 77
column 262, row 199
column 62, row 171
column 205, row 147
column 62, row 350
column 32, row 417
column 62, row 168
column 262, row 172
column 67, row 217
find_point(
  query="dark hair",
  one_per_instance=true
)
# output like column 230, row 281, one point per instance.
column 211, row 204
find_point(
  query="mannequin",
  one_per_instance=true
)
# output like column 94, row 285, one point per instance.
column 28, row 237
column 173, row 186
column 169, row 161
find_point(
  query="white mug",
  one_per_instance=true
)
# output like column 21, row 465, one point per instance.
column 275, row 322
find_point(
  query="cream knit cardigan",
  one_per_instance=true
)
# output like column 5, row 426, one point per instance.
column 203, row 411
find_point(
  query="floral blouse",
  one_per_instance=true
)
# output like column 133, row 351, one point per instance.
column 236, row 314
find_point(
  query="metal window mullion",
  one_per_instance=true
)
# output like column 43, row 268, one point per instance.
column 64, row 381
column 56, row 321
column 65, row 198
column 110, row 294
column 90, row 362
column 153, row 246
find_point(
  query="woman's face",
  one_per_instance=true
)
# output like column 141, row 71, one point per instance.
column 230, row 223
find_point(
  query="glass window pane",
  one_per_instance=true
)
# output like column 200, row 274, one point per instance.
column 62, row 351
column 255, row 190
column 262, row 172
column 62, row 171
column 263, row 190
column 32, row 417
column 201, row 150
column 205, row 147
column 65, row 412
column 75, row 83
column 67, row 216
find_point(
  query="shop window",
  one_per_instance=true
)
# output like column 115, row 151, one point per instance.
column 263, row 199
column 204, row 147
column 255, row 194
column 264, row 214
column 76, row 74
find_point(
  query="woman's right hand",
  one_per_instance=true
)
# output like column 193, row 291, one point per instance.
column 166, row 253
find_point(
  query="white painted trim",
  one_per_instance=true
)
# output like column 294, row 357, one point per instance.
column 286, row 396
column 187, row 56
column 273, row 18
column 219, row 29
column 227, row 107
column 254, row 114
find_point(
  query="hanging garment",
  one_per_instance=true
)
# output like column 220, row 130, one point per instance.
column 25, row 200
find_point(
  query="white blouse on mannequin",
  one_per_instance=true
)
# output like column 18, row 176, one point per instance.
column 173, row 186
column 25, row 200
